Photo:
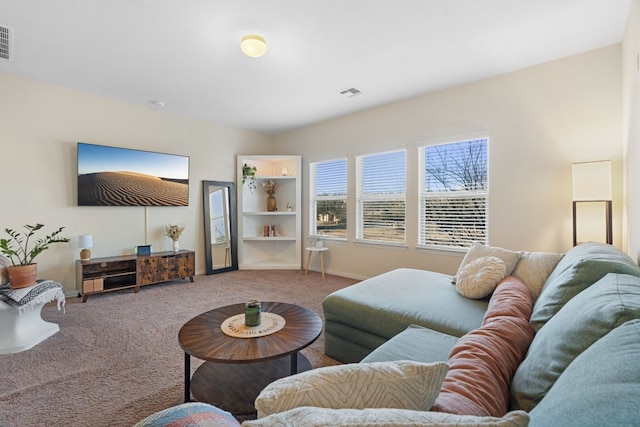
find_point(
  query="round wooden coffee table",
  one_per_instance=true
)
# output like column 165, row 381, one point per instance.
column 237, row 369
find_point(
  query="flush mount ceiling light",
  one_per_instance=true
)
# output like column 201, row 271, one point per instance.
column 253, row 45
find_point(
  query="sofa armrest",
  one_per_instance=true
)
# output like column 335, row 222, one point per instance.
column 398, row 384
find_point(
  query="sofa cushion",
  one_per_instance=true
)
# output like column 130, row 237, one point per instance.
column 190, row 414
column 415, row 343
column 399, row 384
column 370, row 312
column 612, row 301
column 383, row 417
column 483, row 362
column 479, row 278
column 601, row 387
column 478, row 250
column 534, row 268
column 581, row 267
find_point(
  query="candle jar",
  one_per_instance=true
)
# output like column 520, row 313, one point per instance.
column 252, row 311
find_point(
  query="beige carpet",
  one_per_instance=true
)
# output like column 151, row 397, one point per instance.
column 116, row 358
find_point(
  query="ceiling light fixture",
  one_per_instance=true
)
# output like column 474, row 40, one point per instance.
column 253, row 45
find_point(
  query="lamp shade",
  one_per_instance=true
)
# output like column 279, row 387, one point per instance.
column 253, row 45
column 85, row 241
column 591, row 181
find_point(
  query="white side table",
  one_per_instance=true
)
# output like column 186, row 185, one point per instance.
column 320, row 251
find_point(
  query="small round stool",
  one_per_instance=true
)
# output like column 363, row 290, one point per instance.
column 320, row 251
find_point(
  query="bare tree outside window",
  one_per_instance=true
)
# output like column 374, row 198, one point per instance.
column 454, row 194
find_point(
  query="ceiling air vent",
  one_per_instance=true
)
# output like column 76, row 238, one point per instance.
column 6, row 37
column 351, row 92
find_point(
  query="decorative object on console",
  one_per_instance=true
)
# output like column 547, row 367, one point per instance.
column 591, row 183
column 23, row 271
column 143, row 250
column 85, row 241
column 173, row 232
column 270, row 187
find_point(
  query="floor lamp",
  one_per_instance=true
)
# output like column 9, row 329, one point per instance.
column 591, row 182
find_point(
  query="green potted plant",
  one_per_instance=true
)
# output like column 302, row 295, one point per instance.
column 249, row 175
column 317, row 240
column 23, row 271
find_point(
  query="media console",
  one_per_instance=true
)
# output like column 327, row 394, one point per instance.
column 100, row 275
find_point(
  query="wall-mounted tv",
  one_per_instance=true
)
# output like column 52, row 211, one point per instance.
column 112, row 176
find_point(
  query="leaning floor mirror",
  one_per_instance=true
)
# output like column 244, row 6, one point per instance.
column 220, row 226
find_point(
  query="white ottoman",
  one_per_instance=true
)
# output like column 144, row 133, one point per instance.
column 22, row 326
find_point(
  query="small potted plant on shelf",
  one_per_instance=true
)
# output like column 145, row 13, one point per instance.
column 23, row 271
column 249, row 176
column 173, row 232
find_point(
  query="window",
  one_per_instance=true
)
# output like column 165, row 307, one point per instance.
column 454, row 194
column 328, row 198
column 380, row 197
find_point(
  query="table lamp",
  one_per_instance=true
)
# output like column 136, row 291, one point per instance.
column 85, row 242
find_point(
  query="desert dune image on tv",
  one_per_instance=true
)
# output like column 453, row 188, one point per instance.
column 112, row 176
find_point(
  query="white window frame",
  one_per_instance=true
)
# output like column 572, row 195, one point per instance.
column 314, row 198
column 457, row 240
column 391, row 196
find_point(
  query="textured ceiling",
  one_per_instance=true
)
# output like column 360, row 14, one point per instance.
column 186, row 53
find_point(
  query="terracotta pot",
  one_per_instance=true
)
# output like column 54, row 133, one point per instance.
column 21, row 276
column 271, row 204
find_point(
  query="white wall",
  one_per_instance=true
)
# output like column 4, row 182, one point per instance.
column 631, row 126
column 40, row 125
column 540, row 120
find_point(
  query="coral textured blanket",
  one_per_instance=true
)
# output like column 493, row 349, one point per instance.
column 483, row 362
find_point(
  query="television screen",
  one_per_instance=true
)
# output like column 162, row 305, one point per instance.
column 112, row 176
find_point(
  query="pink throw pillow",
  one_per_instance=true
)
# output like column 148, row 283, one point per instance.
column 483, row 362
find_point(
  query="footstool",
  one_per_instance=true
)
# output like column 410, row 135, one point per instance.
column 22, row 326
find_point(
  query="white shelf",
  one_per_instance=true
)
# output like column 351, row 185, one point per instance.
column 261, row 238
column 267, row 213
column 256, row 251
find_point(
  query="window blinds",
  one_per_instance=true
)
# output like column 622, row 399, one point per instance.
column 454, row 194
column 380, row 196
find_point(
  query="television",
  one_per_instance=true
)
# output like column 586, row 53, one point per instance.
column 113, row 176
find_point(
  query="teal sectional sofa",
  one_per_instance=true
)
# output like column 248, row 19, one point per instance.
column 582, row 366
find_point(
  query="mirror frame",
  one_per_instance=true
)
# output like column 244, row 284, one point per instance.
column 206, row 186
